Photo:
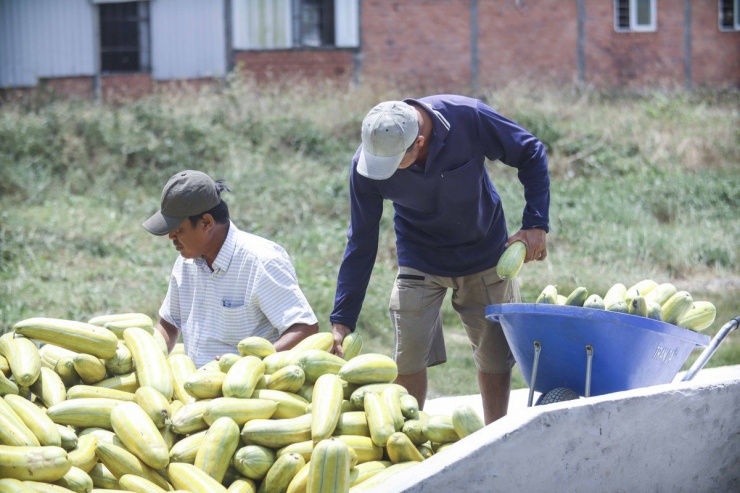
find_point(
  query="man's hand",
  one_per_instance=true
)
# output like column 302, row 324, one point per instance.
column 534, row 239
column 340, row 332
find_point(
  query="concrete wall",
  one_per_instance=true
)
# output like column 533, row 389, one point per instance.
column 668, row 438
column 188, row 39
column 45, row 39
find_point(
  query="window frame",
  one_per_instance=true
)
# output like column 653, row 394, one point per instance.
column 258, row 26
column 735, row 16
column 634, row 27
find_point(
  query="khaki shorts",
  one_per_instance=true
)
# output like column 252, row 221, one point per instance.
column 415, row 310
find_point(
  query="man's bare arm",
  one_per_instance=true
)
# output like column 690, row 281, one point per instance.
column 295, row 334
column 169, row 332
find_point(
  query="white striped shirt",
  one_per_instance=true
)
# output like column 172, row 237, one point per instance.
column 251, row 291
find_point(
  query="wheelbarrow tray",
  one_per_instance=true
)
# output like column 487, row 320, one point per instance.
column 629, row 351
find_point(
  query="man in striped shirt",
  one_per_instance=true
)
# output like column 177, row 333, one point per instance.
column 226, row 284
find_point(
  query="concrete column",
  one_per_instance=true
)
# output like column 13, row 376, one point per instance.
column 474, row 54
column 582, row 42
column 687, row 68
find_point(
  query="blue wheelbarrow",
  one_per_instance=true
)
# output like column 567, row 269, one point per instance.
column 565, row 352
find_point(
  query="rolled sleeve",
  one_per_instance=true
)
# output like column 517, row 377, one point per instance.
column 169, row 311
column 280, row 298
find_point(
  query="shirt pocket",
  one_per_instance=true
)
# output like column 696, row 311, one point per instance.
column 462, row 186
column 234, row 325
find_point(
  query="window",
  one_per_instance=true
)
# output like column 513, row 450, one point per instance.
column 729, row 15
column 635, row 15
column 314, row 23
column 280, row 24
column 124, row 37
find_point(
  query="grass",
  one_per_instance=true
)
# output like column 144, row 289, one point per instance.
column 643, row 186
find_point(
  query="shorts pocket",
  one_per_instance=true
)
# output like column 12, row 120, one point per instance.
column 407, row 294
column 500, row 290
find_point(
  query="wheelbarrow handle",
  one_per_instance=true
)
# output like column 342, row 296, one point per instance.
column 711, row 348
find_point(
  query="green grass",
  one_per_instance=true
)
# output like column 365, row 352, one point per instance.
column 643, row 186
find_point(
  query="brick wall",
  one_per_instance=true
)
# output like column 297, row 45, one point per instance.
column 422, row 44
column 634, row 59
column 425, row 45
column 715, row 54
column 121, row 87
column 80, row 87
column 72, row 87
column 529, row 41
column 337, row 64
column 113, row 88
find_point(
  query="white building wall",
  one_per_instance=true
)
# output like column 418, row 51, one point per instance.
column 57, row 38
column 262, row 24
column 347, row 23
column 45, row 38
column 188, row 39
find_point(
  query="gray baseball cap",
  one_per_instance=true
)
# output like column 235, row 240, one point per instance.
column 187, row 193
column 388, row 131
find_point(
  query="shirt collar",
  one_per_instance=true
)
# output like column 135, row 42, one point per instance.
column 225, row 254
column 223, row 259
column 440, row 129
column 440, row 125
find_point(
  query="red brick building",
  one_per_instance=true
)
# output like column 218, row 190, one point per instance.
column 110, row 47
column 439, row 44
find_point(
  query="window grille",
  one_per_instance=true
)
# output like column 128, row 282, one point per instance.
column 124, row 37
column 314, row 25
column 281, row 24
column 729, row 15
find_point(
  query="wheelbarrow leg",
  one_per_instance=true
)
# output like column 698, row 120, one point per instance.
column 589, row 363
column 709, row 351
column 535, row 363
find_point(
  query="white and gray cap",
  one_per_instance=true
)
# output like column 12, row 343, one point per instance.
column 388, row 131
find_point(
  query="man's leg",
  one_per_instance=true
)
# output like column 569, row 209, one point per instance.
column 490, row 348
column 416, row 384
column 494, row 391
column 414, row 309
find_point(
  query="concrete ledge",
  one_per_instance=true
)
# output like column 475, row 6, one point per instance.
column 676, row 437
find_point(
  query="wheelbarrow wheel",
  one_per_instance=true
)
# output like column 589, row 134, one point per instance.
column 559, row 394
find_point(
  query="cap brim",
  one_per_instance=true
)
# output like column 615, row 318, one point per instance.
column 160, row 225
column 378, row 167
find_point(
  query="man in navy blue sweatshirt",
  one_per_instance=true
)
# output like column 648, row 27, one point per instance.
column 427, row 156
